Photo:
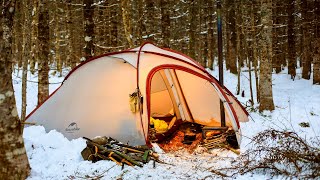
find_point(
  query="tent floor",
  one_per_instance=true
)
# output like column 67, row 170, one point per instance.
column 175, row 142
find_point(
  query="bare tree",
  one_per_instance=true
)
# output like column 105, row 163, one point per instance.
column 13, row 158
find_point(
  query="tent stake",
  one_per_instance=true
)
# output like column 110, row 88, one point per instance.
column 219, row 24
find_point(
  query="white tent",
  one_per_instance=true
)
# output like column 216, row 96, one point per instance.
column 93, row 100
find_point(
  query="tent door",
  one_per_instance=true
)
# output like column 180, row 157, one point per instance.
column 174, row 91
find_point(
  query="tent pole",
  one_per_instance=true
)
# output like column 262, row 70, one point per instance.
column 219, row 24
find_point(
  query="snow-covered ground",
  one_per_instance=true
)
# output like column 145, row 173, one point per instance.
column 52, row 156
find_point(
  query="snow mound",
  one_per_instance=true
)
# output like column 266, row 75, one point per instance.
column 52, row 156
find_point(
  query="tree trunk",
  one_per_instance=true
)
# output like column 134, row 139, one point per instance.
column 165, row 22
column 276, row 64
column 254, row 22
column 26, row 54
column 251, row 36
column 57, row 14
column 228, row 44
column 127, row 22
column 211, row 37
column 18, row 34
column 306, row 46
column 71, row 28
column 291, row 40
column 192, row 27
column 201, row 35
column 265, row 85
column 240, row 35
column 239, row 48
column 100, row 28
column 255, row 66
column 204, row 36
column 114, row 25
column 24, row 90
column 34, row 39
column 316, row 62
column 141, row 26
column 13, row 158
column 282, row 36
column 233, row 37
column 149, row 31
column 316, row 53
column 43, row 69
column 88, row 12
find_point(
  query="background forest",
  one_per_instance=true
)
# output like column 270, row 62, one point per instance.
column 276, row 34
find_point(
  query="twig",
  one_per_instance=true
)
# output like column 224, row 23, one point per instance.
column 97, row 176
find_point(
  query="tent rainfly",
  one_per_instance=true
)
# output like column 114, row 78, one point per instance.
column 94, row 98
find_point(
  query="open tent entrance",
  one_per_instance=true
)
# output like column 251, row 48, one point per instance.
column 165, row 106
column 177, row 96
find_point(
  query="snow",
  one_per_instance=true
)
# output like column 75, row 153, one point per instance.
column 52, row 156
column 11, row 9
column 87, row 38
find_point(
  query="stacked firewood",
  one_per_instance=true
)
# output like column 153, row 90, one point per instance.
column 223, row 139
column 106, row 148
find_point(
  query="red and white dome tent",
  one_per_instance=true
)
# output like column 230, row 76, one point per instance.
column 93, row 99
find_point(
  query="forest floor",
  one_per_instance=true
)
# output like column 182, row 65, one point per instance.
column 52, row 156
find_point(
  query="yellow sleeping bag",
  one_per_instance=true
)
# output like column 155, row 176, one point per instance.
column 160, row 125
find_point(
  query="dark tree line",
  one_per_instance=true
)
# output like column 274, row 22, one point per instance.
column 62, row 33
